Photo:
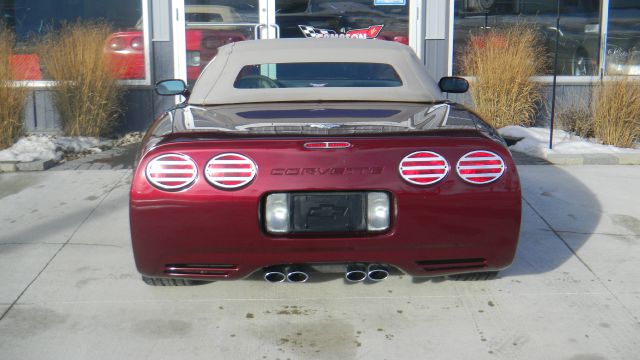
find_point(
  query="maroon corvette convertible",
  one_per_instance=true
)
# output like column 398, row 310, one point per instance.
column 297, row 156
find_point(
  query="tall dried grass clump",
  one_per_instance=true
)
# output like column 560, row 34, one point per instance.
column 616, row 113
column 86, row 93
column 502, row 60
column 12, row 95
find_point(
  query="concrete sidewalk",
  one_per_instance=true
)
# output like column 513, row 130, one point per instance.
column 70, row 289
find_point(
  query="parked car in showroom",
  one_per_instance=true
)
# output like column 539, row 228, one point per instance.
column 205, row 33
column 287, row 160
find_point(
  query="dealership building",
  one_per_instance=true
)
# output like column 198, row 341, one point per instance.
column 159, row 39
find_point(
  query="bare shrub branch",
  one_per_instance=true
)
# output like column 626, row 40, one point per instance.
column 575, row 114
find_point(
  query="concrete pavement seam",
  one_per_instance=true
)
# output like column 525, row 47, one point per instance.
column 373, row 298
column 117, row 183
column 593, row 233
column 557, row 234
column 61, row 243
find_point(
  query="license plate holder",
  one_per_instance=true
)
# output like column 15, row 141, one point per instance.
column 339, row 212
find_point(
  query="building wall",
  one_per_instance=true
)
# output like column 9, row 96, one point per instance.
column 40, row 115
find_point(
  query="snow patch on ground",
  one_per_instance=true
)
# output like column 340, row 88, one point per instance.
column 49, row 147
column 536, row 142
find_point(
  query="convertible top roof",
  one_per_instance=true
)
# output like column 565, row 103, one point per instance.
column 215, row 84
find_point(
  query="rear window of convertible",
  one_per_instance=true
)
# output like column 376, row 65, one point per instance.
column 315, row 74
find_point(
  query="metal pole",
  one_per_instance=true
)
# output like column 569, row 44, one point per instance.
column 555, row 75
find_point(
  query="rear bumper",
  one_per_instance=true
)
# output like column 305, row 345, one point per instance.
column 215, row 239
column 204, row 266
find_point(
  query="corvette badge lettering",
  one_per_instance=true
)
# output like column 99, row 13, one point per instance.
column 328, row 171
column 371, row 32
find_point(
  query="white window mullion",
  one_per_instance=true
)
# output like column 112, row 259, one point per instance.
column 179, row 40
column 604, row 28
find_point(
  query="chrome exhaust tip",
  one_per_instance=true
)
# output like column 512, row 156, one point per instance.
column 377, row 272
column 274, row 274
column 355, row 273
column 296, row 274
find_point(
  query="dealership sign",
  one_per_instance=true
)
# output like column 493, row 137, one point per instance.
column 371, row 32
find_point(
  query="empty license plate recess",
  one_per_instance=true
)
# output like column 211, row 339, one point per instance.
column 328, row 212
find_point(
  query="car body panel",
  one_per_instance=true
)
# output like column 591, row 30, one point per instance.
column 448, row 227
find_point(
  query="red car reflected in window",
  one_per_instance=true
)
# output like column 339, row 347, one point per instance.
column 124, row 52
column 205, row 33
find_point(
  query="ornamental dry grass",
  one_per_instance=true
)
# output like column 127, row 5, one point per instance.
column 616, row 113
column 502, row 61
column 86, row 94
column 575, row 115
column 12, row 96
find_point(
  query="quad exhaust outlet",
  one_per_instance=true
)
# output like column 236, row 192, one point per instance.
column 356, row 273
column 297, row 274
column 275, row 274
column 293, row 273
column 377, row 272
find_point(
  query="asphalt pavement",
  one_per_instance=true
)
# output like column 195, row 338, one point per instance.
column 70, row 289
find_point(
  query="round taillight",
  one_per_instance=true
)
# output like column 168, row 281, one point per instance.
column 230, row 171
column 480, row 167
column 117, row 43
column 423, row 168
column 137, row 43
column 171, row 171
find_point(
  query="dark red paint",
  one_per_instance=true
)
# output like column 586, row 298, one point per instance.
column 447, row 227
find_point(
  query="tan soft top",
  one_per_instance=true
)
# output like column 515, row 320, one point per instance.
column 215, row 85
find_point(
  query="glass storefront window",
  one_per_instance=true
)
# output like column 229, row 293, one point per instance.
column 578, row 49
column 623, row 38
column 214, row 23
column 356, row 18
column 32, row 19
column 211, row 24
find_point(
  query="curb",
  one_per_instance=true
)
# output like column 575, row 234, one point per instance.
column 38, row 165
column 8, row 166
column 95, row 161
column 594, row 159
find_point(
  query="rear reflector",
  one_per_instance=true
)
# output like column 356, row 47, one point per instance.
column 451, row 264
column 171, row 171
column 480, row 167
column 423, row 168
column 230, row 171
column 200, row 271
